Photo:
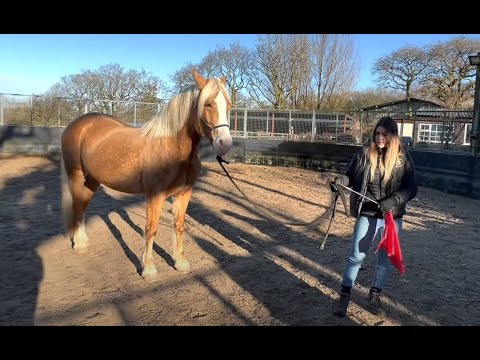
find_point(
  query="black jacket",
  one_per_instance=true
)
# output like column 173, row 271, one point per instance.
column 403, row 186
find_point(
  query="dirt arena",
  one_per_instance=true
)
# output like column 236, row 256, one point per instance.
column 246, row 269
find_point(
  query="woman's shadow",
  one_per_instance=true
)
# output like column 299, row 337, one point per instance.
column 31, row 215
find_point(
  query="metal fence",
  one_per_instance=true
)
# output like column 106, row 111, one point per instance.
column 36, row 110
column 434, row 129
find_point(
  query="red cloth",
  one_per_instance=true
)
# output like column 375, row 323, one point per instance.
column 391, row 243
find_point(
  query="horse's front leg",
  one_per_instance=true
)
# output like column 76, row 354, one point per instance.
column 179, row 209
column 154, row 207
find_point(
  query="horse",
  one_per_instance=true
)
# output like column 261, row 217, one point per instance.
column 160, row 160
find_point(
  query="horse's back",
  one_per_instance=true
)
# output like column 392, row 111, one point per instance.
column 89, row 128
column 92, row 120
column 93, row 126
column 105, row 148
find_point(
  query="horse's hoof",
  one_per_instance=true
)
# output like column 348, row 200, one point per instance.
column 80, row 249
column 149, row 278
column 182, row 266
column 149, row 274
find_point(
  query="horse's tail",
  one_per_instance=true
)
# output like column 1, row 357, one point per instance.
column 67, row 202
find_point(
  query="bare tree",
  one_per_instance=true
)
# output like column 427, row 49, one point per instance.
column 244, row 101
column 402, row 69
column 233, row 63
column 450, row 76
column 301, row 76
column 335, row 69
column 182, row 78
column 111, row 82
column 275, row 76
column 373, row 96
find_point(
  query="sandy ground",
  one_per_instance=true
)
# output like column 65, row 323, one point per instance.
column 246, row 269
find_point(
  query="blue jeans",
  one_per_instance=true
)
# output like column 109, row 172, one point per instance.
column 366, row 232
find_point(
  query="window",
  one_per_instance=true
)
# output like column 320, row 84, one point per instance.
column 466, row 136
column 432, row 133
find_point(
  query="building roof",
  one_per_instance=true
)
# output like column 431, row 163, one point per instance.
column 402, row 101
column 436, row 112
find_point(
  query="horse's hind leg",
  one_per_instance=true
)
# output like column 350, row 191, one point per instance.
column 154, row 207
column 179, row 210
column 82, row 189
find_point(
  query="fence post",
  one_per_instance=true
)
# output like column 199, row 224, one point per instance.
column 290, row 132
column 135, row 114
column 336, row 128
column 443, row 132
column 361, row 126
column 313, row 125
column 31, row 110
column 1, row 108
column 475, row 132
column 266, row 129
column 245, row 123
column 86, row 107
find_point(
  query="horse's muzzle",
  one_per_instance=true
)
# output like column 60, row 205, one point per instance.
column 223, row 143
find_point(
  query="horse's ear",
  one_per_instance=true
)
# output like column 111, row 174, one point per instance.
column 223, row 80
column 199, row 79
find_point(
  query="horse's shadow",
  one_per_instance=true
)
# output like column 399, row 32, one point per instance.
column 103, row 204
column 31, row 215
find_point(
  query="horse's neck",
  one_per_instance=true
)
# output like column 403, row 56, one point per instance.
column 182, row 147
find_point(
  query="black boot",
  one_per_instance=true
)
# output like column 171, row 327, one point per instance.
column 375, row 305
column 342, row 304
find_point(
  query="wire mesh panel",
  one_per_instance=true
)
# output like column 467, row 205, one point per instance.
column 430, row 128
column 143, row 112
column 16, row 110
column 57, row 111
column 301, row 127
column 237, row 122
column 257, row 125
column 279, row 123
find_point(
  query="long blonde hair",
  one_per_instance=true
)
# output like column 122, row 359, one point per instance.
column 390, row 157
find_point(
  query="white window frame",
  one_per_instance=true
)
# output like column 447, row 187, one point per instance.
column 424, row 128
column 466, row 135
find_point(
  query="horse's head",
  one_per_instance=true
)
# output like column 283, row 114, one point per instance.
column 213, row 109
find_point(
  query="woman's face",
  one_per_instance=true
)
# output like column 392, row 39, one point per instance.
column 382, row 139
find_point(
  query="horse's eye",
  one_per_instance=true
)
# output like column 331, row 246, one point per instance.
column 208, row 105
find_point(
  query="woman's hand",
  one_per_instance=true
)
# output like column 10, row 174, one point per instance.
column 387, row 203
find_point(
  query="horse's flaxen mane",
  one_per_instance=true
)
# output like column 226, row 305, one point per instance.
column 177, row 111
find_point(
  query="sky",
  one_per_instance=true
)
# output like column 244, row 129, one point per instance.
column 32, row 63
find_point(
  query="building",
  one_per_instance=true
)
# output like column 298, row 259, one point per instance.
column 426, row 122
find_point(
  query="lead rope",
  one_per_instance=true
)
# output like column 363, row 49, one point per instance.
column 332, row 206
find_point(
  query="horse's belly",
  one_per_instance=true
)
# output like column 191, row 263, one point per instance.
column 123, row 186
column 178, row 190
column 120, row 179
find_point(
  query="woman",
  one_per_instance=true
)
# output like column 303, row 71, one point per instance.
column 382, row 170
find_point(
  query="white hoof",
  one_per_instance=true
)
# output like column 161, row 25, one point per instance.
column 80, row 249
column 182, row 265
column 80, row 241
column 149, row 274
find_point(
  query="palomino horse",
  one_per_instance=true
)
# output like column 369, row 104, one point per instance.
column 160, row 160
